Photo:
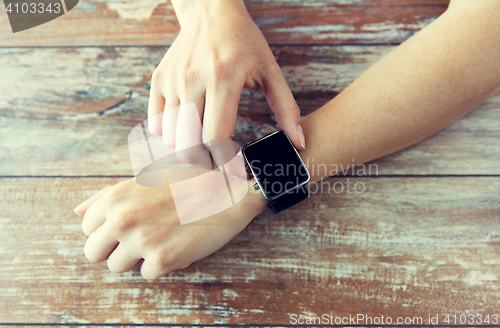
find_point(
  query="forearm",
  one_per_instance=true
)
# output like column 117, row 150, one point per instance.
column 422, row 86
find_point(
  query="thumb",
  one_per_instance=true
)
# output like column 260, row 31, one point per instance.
column 284, row 107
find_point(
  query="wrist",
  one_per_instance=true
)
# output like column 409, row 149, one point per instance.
column 187, row 10
column 254, row 201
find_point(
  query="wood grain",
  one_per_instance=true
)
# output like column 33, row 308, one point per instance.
column 404, row 247
column 153, row 22
column 72, row 89
column 68, row 111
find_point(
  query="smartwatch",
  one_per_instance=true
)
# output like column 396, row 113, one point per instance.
column 278, row 170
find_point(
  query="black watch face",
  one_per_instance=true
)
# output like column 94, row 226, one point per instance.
column 276, row 164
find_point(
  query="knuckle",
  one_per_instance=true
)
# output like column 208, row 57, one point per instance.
column 221, row 69
column 270, row 72
column 274, row 70
column 188, row 76
column 291, row 106
column 212, row 134
column 209, row 134
column 156, row 76
column 160, row 75
column 169, row 142
column 121, row 221
column 115, row 195
column 166, row 259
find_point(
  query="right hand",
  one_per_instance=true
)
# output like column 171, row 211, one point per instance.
column 218, row 51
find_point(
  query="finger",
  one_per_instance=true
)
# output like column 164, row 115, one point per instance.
column 219, row 120
column 94, row 217
column 122, row 259
column 82, row 208
column 283, row 105
column 100, row 244
column 224, row 153
column 156, row 106
column 169, row 122
column 189, row 145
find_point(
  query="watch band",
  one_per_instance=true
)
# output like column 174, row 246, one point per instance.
column 289, row 199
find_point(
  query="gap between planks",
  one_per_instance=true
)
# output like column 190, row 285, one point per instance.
column 332, row 176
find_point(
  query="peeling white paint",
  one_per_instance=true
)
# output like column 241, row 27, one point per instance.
column 476, row 277
column 256, row 311
column 229, row 293
column 138, row 10
column 388, row 25
column 382, row 36
column 384, row 31
column 315, row 29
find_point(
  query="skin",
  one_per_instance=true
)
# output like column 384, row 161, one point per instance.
column 422, row 86
column 218, row 51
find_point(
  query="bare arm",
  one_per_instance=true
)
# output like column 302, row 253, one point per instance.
column 422, row 86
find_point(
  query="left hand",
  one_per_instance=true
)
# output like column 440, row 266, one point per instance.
column 128, row 222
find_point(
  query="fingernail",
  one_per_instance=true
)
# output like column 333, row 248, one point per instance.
column 239, row 177
column 302, row 139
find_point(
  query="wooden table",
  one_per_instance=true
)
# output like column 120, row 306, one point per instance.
column 422, row 240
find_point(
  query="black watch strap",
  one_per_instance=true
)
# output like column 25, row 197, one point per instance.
column 289, row 199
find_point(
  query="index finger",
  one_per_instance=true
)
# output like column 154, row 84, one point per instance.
column 219, row 121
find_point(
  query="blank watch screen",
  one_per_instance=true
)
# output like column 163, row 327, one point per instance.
column 276, row 164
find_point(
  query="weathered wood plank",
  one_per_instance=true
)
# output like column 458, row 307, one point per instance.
column 68, row 111
column 153, row 22
column 404, row 247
